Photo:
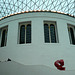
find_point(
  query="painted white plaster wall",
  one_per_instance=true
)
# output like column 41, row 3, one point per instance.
column 14, row 68
column 38, row 52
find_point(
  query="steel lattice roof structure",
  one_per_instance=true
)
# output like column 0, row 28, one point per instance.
column 8, row 7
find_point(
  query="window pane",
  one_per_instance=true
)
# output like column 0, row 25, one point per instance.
column 22, row 34
column 28, row 33
column 72, row 36
column 52, row 32
column 4, row 36
column 46, row 33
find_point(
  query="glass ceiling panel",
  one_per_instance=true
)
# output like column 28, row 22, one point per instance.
column 8, row 7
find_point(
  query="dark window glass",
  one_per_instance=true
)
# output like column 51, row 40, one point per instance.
column 52, row 33
column 72, row 36
column 46, row 33
column 22, row 34
column 4, row 36
column 28, row 33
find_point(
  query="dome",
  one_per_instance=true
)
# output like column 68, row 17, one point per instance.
column 8, row 7
column 37, row 37
column 33, row 42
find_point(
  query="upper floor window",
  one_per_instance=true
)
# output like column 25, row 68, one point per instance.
column 71, row 30
column 3, row 36
column 25, row 32
column 50, row 32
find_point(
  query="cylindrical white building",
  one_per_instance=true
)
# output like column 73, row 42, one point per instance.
column 34, row 41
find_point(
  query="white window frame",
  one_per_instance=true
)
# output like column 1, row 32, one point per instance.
column 23, row 23
column 54, row 23
column 73, row 27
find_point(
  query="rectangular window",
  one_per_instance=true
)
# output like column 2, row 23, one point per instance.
column 71, row 31
column 24, row 32
column 50, row 32
column 3, row 36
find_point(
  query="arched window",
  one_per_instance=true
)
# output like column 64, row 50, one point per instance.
column 25, row 33
column 46, row 33
column 71, row 35
column 22, row 34
column 52, row 33
column 4, row 37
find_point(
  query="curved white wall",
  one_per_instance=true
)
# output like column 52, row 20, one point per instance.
column 38, row 52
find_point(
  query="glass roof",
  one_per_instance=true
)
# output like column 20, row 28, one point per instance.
column 8, row 7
